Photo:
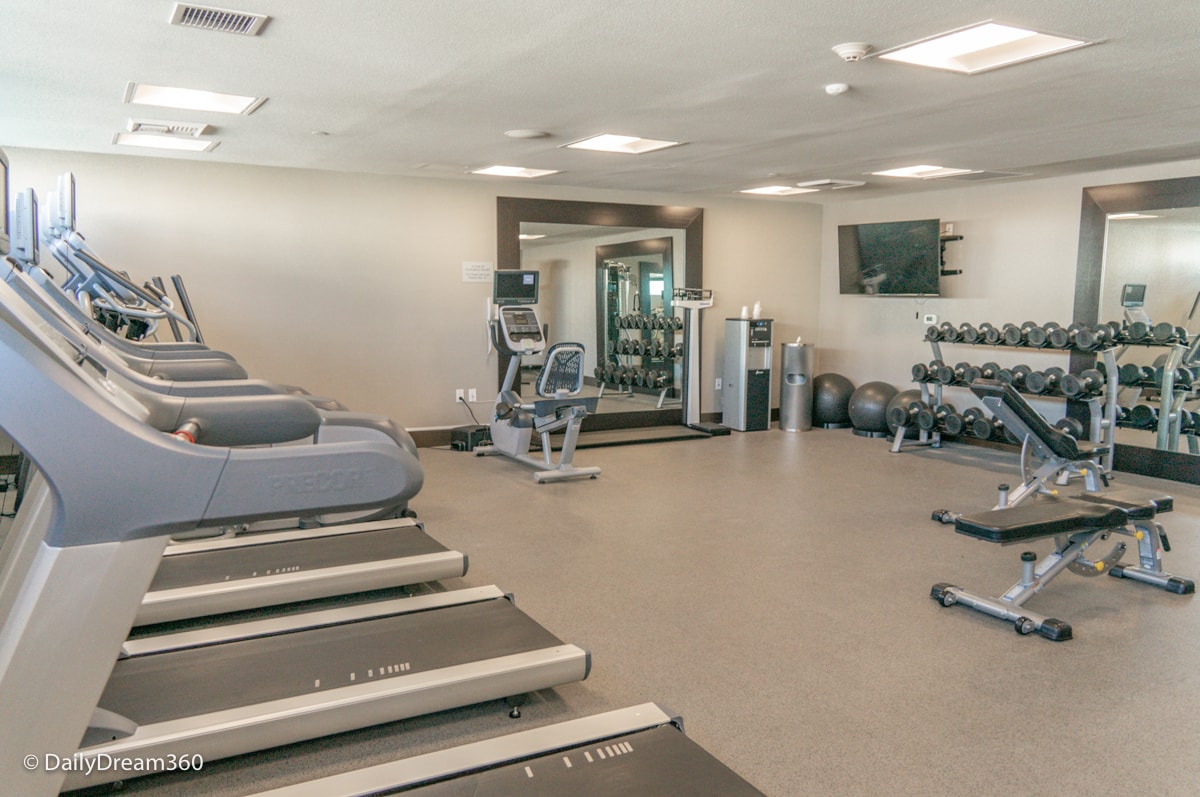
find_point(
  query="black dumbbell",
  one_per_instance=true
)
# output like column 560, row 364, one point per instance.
column 1072, row 426
column 1056, row 336
column 1183, row 378
column 677, row 350
column 1011, row 335
column 1137, row 332
column 989, row 370
column 929, row 419
column 1044, row 382
column 933, row 333
column 976, row 423
column 989, row 334
column 1083, row 337
column 968, row 333
column 1143, row 416
column 948, row 332
column 1083, row 385
column 1004, row 375
column 926, row 373
column 1129, row 374
column 664, row 379
column 1034, row 335
column 1112, row 330
column 1019, row 374
column 952, row 376
column 676, row 322
column 905, row 416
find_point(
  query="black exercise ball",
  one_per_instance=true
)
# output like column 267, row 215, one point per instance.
column 868, row 406
column 903, row 399
column 831, row 399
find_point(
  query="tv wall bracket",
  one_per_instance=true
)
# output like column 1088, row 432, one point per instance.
column 945, row 239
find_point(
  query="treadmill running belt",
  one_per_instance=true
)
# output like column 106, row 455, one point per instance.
column 193, row 681
column 232, row 564
column 657, row 761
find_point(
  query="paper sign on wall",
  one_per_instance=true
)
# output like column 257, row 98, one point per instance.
column 477, row 272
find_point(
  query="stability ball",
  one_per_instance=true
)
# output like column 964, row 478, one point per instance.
column 903, row 399
column 831, row 400
column 868, row 407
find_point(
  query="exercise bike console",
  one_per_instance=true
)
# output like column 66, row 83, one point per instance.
column 518, row 331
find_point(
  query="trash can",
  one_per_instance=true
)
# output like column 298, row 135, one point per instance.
column 795, row 387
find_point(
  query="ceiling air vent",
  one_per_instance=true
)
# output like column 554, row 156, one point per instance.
column 160, row 128
column 220, row 19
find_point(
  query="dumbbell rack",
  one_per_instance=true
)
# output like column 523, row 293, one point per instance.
column 1170, row 398
column 1103, row 413
column 639, row 322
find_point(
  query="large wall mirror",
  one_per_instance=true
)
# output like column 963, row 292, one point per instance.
column 607, row 271
column 1148, row 234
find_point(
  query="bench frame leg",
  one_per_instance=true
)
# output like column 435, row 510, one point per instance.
column 1149, row 570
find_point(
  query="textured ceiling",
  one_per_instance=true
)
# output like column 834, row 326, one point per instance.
column 424, row 87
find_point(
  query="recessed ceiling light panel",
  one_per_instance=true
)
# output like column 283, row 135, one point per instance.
column 191, row 99
column 152, row 141
column 979, row 48
column 514, row 171
column 923, row 172
column 1124, row 216
column 777, row 190
column 631, row 145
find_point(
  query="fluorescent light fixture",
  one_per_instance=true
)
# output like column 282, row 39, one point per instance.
column 164, row 142
column 514, row 171
column 1123, row 216
column 778, row 190
column 978, row 48
column 923, row 172
column 191, row 99
column 631, row 145
column 529, row 237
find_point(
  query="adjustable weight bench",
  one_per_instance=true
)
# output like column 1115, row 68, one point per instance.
column 1033, row 511
column 1075, row 524
column 1061, row 454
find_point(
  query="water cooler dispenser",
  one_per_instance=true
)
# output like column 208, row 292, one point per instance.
column 746, row 391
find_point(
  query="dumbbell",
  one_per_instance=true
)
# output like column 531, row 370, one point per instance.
column 933, row 333
column 977, row 423
column 1083, row 385
column 1143, row 416
column 988, row 370
column 662, row 379
column 989, row 334
column 1121, row 418
column 1011, row 334
column 948, row 332
column 1129, row 374
column 1113, row 329
column 968, row 334
column 1034, row 335
column 598, row 372
column 677, row 350
column 1019, row 374
column 1183, row 378
column 953, row 376
column 905, row 416
column 1137, row 332
column 926, row 373
column 1072, row 426
column 1043, row 382
column 1056, row 336
column 943, row 417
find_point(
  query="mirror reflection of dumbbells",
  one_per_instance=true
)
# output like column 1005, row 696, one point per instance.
column 1145, row 417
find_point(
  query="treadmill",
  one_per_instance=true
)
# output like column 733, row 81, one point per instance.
column 232, row 573
column 638, row 750
column 84, row 547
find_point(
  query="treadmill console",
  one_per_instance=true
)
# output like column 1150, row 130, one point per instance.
column 520, row 330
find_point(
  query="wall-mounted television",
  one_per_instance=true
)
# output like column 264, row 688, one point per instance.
column 895, row 258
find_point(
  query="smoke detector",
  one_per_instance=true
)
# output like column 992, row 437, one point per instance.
column 852, row 51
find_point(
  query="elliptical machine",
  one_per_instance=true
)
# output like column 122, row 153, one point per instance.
column 518, row 332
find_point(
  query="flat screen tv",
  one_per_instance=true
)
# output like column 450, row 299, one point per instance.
column 895, row 258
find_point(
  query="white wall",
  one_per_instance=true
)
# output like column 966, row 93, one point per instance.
column 1018, row 255
column 351, row 284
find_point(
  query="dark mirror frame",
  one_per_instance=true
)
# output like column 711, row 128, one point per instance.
column 511, row 211
column 1098, row 203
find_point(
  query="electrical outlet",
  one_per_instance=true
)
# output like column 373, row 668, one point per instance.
column 471, row 395
column 458, row 395
column 718, row 385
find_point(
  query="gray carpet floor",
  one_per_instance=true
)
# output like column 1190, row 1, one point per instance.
column 773, row 589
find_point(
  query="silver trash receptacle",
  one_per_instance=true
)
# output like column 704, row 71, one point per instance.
column 795, row 387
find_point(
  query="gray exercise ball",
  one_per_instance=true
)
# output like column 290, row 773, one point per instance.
column 868, row 406
column 831, row 399
column 903, row 399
